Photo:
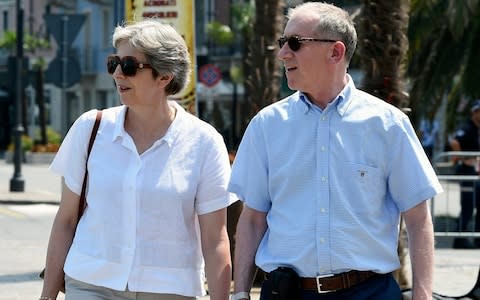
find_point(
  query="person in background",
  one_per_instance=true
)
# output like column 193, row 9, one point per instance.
column 466, row 138
column 428, row 135
column 157, row 186
column 325, row 175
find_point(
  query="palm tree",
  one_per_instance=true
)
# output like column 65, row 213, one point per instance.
column 383, row 46
column 443, row 59
column 263, row 73
column 261, row 69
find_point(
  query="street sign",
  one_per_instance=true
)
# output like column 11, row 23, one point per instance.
column 209, row 75
column 71, row 24
column 64, row 71
column 54, row 73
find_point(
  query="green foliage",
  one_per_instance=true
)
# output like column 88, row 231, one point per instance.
column 444, row 40
column 236, row 74
column 30, row 43
column 54, row 140
column 27, row 144
column 39, row 64
column 220, row 34
column 8, row 40
column 53, row 137
column 243, row 15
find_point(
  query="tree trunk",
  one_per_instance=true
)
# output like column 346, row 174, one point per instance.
column 263, row 68
column 383, row 47
column 263, row 78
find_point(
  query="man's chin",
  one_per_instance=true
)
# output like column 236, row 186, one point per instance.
column 292, row 85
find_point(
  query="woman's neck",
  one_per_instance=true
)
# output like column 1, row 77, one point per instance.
column 146, row 126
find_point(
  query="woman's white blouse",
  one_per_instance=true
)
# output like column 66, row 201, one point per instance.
column 140, row 227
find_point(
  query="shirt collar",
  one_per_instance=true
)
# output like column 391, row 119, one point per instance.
column 169, row 136
column 119, row 130
column 341, row 101
column 174, row 128
column 345, row 97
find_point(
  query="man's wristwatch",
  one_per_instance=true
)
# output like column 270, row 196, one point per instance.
column 240, row 295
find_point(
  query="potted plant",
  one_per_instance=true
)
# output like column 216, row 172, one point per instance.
column 27, row 146
column 43, row 153
column 35, row 152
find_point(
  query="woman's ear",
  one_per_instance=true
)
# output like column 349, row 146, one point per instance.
column 164, row 80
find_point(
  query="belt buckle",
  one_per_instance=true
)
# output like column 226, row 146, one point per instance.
column 319, row 285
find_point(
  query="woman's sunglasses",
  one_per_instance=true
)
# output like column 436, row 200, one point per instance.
column 294, row 42
column 128, row 64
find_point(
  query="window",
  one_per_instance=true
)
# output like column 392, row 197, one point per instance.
column 101, row 99
column 87, row 100
column 5, row 20
column 87, row 45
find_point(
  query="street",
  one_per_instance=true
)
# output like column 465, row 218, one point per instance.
column 25, row 222
column 26, row 218
column 24, row 231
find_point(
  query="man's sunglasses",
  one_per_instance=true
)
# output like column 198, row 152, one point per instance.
column 294, row 42
column 128, row 64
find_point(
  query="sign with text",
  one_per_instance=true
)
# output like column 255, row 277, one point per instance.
column 181, row 15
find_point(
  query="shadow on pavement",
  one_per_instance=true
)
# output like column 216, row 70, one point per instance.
column 22, row 277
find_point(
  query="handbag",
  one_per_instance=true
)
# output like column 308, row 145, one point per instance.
column 82, row 203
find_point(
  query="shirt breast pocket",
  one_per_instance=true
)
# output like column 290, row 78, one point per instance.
column 365, row 187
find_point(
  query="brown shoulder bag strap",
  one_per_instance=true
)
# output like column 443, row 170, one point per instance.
column 82, row 204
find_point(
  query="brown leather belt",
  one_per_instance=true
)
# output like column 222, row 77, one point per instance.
column 335, row 282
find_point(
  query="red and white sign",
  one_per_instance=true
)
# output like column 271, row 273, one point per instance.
column 209, row 75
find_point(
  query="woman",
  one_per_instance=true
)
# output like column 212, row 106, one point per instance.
column 156, row 198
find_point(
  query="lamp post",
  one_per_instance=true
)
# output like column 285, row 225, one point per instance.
column 17, row 184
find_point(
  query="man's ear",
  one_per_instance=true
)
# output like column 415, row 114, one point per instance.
column 338, row 52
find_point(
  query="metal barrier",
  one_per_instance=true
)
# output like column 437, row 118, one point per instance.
column 446, row 206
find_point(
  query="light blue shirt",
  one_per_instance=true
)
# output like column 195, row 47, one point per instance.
column 333, row 182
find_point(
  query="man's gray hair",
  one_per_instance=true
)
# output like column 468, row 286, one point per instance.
column 333, row 23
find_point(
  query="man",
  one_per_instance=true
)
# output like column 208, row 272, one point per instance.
column 325, row 174
column 429, row 128
column 467, row 139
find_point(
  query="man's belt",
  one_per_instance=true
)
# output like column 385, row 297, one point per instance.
column 334, row 282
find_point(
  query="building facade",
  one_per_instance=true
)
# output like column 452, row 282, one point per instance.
column 86, row 54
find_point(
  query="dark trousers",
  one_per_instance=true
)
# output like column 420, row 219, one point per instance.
column 377, row 288
column 469, row 199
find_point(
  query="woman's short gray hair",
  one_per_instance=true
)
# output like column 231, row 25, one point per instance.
column 163, row 48
column 333, row 23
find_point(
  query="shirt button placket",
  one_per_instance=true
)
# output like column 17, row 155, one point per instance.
column 322, row 231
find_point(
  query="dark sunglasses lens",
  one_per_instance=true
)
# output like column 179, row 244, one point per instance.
column 112, row 63
column 281, row 42
column 129, row 66
column 293, row 43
